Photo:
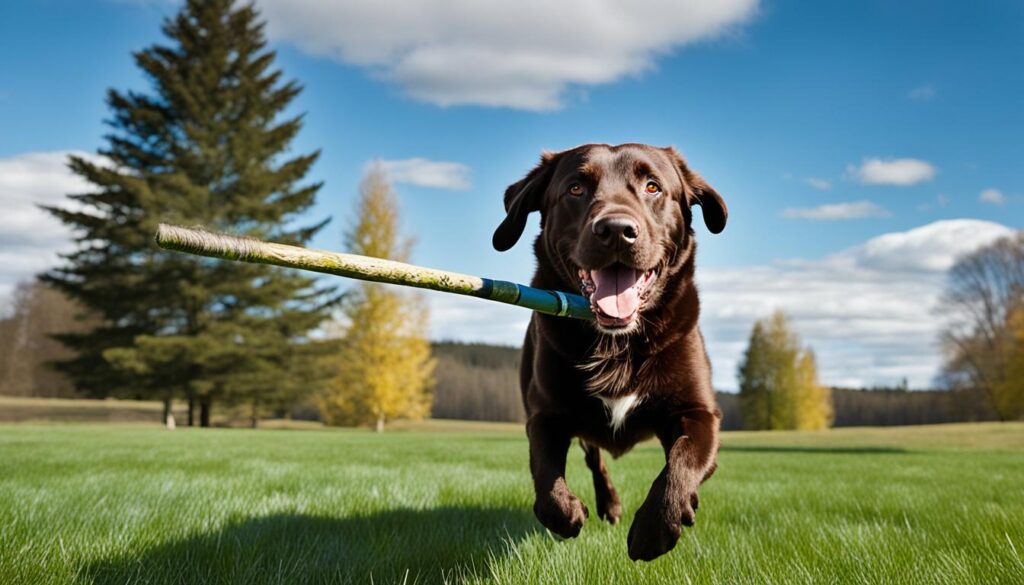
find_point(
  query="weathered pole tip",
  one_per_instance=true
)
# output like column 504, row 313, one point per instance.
column 161, row 233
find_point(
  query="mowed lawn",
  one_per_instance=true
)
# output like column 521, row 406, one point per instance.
column 452, row 503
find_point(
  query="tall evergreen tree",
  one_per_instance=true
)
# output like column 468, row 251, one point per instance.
column 207, row 146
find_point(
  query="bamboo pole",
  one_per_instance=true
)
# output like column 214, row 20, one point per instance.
column 244, row 249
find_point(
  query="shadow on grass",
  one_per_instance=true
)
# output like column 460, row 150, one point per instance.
column 811, row 450
column 411, row 546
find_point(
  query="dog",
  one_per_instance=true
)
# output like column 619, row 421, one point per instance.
column 616, row 225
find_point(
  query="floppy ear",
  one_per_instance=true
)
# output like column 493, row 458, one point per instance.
column 712, row 205
column 520, row 199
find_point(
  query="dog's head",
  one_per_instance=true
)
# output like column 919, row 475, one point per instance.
column 615, row 220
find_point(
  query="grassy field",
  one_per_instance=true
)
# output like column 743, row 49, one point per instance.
column 451, row 503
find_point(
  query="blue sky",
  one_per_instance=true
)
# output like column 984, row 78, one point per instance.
column 839, row 133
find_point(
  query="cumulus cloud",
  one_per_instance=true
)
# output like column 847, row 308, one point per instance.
column 836, row 211
column 508, row 54
column 930, row 248
column 30, row 238
column 901, row 172
column 992, row 197
column 427, row 173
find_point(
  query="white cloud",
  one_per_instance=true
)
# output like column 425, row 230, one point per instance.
column 818, row 183
column 31, row 238
column 930, row 248
column 922, row 93
column 836, row 211
column 459, row 318
column 992, row 197
column 427, row 173
column 901, row 172
column 522, row 54
column 868, row 311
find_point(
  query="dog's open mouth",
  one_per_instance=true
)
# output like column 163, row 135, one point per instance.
column 616, row 293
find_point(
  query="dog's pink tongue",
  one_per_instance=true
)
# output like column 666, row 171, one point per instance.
column 617, row 293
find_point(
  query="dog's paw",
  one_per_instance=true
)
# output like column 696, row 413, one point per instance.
column 656, row 526
column 562, row 513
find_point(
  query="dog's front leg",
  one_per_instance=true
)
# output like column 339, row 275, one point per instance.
column 557, row 508
column 690, row 448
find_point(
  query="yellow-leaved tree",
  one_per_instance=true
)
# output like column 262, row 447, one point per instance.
column 384, row 365
column 1008, row 389
column 778, row 379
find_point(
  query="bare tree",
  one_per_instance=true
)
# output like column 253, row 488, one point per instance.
column 983, row 300
column 36, row 313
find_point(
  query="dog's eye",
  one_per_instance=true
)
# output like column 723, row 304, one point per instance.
column 652, row 188
column 576, row 189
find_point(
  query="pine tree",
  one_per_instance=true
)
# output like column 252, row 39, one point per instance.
column 384, row 367
column 756, row 383
column 205, row 147
column 779, row 381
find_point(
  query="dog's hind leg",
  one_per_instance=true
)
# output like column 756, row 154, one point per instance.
column 608, row 506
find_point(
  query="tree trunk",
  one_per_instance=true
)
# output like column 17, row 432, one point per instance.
column 168, row 415
column 254, row 417
column 380, row 424
column 191, row 410
column 204, row 411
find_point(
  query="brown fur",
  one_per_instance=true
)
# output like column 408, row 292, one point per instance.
column 569, row 365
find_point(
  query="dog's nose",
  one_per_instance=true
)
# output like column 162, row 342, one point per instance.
column 613, row 230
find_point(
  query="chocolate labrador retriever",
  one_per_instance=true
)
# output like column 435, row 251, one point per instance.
column 616, row 224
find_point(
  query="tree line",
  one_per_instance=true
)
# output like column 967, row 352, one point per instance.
column 475, row 381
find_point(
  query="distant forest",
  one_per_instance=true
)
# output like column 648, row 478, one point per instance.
column 481, row 382
column 477, row 382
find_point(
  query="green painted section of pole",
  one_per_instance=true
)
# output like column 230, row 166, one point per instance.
column 214, row 245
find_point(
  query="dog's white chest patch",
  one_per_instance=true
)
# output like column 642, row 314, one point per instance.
column 618, row 408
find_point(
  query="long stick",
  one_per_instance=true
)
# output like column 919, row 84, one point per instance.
column 204, row 243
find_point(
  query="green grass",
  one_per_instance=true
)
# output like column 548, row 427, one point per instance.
column 129, row 504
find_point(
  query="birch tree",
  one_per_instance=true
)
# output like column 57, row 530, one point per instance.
column 384, row 368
